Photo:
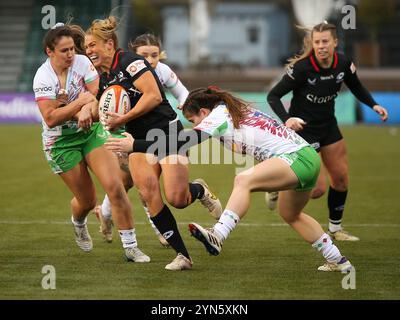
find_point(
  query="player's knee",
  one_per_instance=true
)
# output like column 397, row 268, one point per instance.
column 86, row 205
column 92, row 204
column 289, row 217
column 242, row 181
column 148, row 187
column 115, row 191
column 177, row 198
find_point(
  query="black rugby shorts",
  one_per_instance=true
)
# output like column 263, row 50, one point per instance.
column 320, row 135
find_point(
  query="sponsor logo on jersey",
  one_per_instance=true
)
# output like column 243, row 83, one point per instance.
column 312, row 82
column 289, row 71
column 120, row 77
column 43, row 89
column 339, row 77
column 205, row 125
column 327, row 77
column 315, row 99
column 135, row 67
column 132, row 92
column 111, row 82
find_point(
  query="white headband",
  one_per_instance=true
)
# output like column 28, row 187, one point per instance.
column 57, row 25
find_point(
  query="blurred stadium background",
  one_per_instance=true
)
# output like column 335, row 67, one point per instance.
column 240, row 46
column 237, row 45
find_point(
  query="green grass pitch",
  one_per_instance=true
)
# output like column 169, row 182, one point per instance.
column 263, row 258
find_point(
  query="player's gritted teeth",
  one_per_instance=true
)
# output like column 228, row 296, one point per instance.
column 95, row 60
column 322, row 53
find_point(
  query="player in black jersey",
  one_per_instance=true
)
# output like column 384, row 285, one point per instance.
column 315, row 78
column 150, row 110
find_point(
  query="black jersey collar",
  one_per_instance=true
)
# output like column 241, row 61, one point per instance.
column 116, row 58
column 315, row 64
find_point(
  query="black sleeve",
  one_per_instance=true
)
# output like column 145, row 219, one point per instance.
column 165, row 145
column 102, row 85
column 133, row 66
column 353, row 83
column 290, row 81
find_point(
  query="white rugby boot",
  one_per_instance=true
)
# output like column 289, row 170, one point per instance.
column 342, row 265
column 105, row 224
column 342, row 235
column 82, row 237
column 209, row 200
column 210, row 239
column 180, row 263
column 271, row 199
column 134, row 254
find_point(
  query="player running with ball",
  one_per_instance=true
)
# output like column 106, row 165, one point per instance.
column 151, row 112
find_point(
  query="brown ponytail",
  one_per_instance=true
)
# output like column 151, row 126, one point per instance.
column 210, row 97
column 79, row 38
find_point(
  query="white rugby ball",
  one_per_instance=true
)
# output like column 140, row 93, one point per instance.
column 114, row 99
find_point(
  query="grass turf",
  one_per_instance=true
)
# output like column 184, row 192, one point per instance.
column 263, row 258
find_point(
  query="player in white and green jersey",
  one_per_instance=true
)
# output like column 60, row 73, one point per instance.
column 287, row 164
column 60, row 141
column 65, row 87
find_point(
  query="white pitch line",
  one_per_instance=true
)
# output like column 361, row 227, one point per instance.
column 244, row 224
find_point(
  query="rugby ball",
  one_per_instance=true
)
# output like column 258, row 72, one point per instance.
column 114, row 99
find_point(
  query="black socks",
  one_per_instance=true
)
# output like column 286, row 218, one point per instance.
column 166, row 224
column 196, row 191
column 336, row 201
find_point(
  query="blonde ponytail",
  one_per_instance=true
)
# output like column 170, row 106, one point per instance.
column 307, row 40
column 105, row 29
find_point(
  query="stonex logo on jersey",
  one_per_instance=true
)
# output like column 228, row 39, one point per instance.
column 135, row 67
column 315, row 99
